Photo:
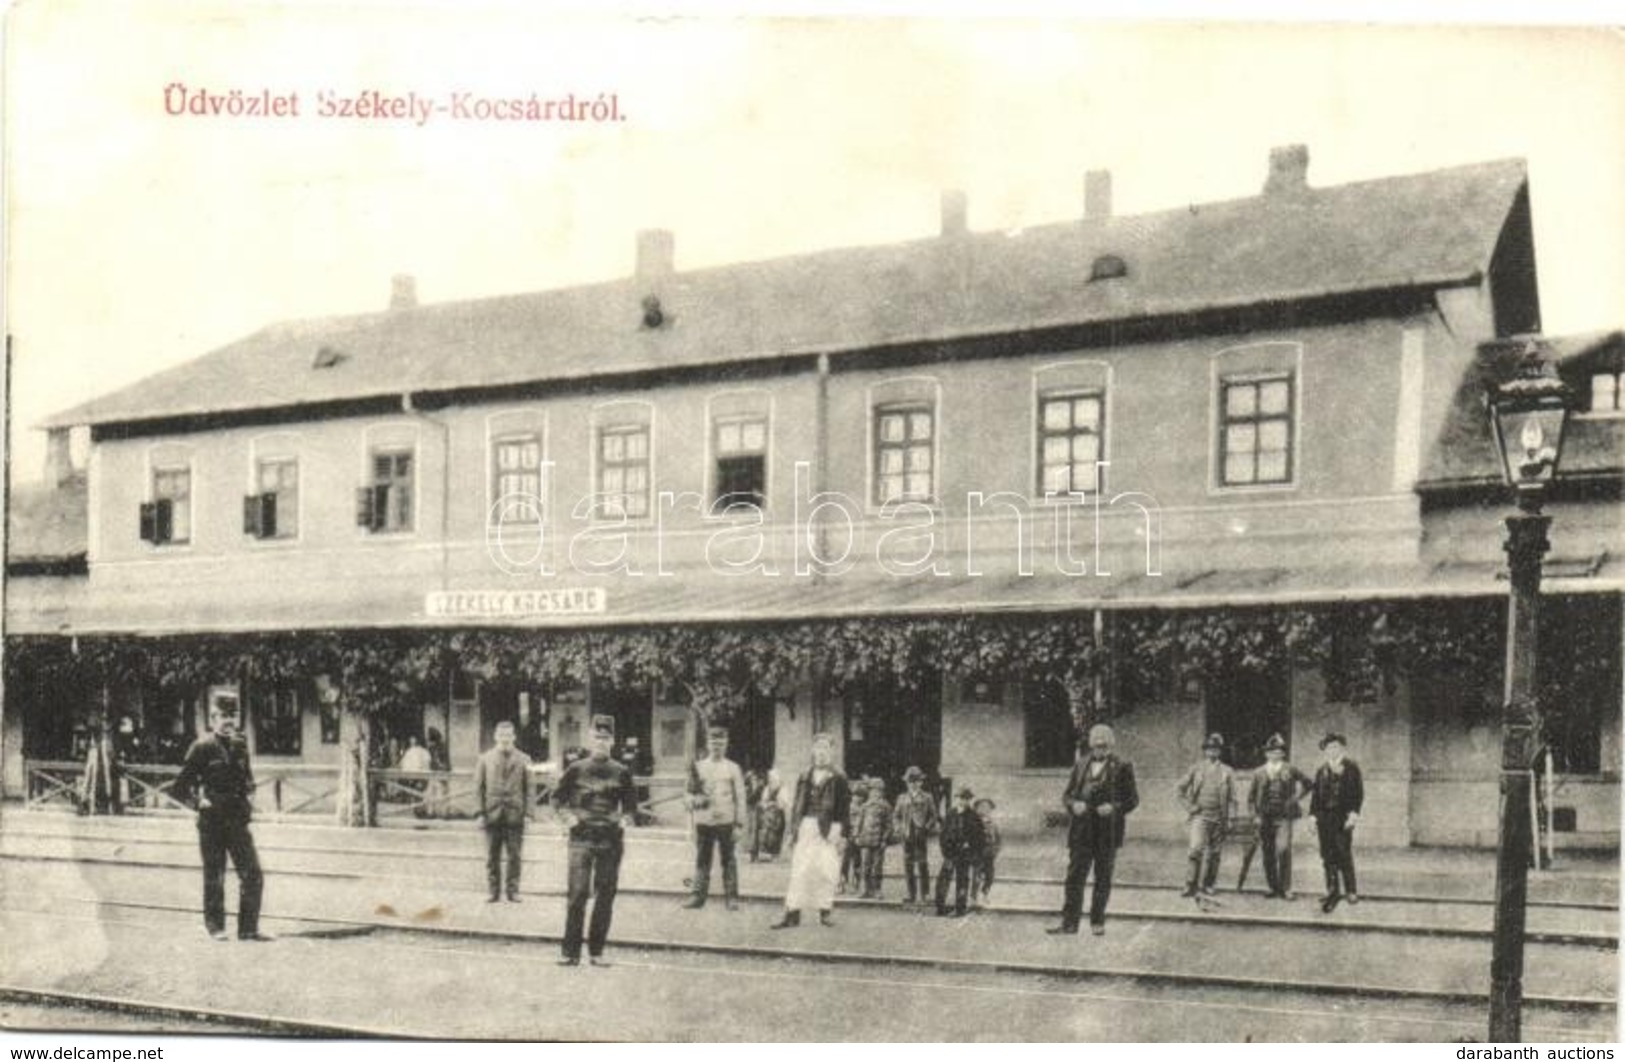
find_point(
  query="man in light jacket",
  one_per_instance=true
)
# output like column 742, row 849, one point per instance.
column 503, row 793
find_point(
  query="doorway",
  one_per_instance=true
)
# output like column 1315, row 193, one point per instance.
column 751, row 733
column 632, row 709
column 504, row 700
column 890, row 728
column 1246, row 707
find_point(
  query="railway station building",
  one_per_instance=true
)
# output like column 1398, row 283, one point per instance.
column 1223, row 468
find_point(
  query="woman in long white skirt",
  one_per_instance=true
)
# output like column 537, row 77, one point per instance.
column 820, row 820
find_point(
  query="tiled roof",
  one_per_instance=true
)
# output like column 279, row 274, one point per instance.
column 1436, row 228
column 46, row 524
column 1465, row 452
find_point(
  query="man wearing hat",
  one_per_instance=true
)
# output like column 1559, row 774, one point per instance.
column 716, row 795
column 962, row 841
column 218, row 778
column 595, row 800
column 1205, row 793
column 1338, row 796
column 1277, row 788
column 1099, row 796
column 914, row 820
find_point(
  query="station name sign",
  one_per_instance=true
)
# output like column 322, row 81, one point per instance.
column 499, row 604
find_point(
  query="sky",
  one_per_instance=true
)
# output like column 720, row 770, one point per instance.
column 137, row 239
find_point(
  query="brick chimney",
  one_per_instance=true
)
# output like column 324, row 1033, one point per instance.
column 955, row 212
column 403, row 291
column 1289, row 170
column 58, row 457
column 657, row 253
column 1097, row 195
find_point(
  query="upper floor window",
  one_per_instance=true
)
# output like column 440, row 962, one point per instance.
column 905, row 443
column 517, row 478
column 623, row 469
column 386, row 504
column 273, row 510
column 740, row 445
column 167, row 519
column 1070, row 428
column 1607, row 392
column 1255, row 430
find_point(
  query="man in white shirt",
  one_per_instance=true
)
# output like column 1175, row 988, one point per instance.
column 716, row 795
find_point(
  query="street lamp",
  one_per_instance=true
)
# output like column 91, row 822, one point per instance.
column 1527, row 414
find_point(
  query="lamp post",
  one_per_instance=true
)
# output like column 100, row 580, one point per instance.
column 1527, row 414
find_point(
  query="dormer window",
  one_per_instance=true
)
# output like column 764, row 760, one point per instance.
column 327, row 358
column 1108, row 267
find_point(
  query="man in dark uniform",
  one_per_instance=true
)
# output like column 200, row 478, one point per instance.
column 1339, row 795
column 1099, row 796
column 217, row 777
column 596, row 800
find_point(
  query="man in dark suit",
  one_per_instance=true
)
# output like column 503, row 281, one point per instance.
column 503, row 793
column 1338, row 797
column 1099, row 797
column 218, row 774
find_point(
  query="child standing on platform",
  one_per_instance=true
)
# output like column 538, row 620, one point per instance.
column 983, row 884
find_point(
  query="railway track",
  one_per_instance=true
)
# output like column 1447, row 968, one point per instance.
column 1405, row 1016
column 675, row 851
column 129, row 854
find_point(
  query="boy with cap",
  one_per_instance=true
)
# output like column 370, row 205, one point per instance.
column 1205, row 793
column 991, row 841
column 1277, row 788
column 870, row 833
column 1339, row 794
column 852, row 856
column 914, row 820
column 961, row 850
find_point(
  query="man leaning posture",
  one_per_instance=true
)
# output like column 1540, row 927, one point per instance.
column 1205, row 793
column 596, row 800
column 716, row 795
column 217, row 773
column 1339, row 795
column 1274, row 799
column 503, row 794
column 1099, row 797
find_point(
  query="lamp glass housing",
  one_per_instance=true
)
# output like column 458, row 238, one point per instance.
column 1529, row 438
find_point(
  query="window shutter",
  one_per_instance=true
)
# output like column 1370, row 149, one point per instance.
column 268, row 514
column 251, row 516
column 149, row 522
column 164, row 520
column 364, row 508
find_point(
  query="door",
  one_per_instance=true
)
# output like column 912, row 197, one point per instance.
column 1246, row 707
column 519, row 704
column 632, row 709
column 751, row 734
column 890, row 728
